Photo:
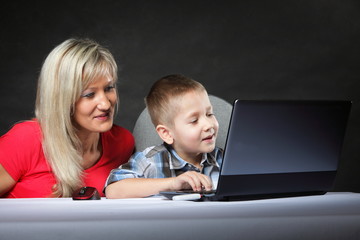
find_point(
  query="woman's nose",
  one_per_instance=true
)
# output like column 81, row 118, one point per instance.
column 104, row 102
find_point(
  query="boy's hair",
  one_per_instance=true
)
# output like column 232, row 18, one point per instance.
column 163, row 95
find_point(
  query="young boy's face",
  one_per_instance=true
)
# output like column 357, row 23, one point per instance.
column 195, row 127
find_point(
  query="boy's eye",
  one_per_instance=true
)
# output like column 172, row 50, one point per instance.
column 193, row 120
column 210, row 114
column 109, row 88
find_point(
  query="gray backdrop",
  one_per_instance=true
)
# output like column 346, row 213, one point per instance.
column 252, row 49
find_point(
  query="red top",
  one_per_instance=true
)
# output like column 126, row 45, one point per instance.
column 22, row 156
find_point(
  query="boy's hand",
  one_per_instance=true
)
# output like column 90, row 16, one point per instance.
column 191, row 179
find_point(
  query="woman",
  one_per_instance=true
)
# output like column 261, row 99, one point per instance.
column 72, row 142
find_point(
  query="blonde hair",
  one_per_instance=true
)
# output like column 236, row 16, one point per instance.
column 163, row 95
column 67, row 71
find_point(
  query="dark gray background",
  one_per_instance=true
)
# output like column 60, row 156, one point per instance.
column 252, row 49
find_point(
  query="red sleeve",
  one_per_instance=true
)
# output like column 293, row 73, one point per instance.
column 17, row 146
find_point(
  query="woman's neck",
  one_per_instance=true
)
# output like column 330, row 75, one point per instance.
column 91, row 149
column 89, row 141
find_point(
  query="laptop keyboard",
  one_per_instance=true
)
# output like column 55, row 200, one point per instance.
column 200, row 192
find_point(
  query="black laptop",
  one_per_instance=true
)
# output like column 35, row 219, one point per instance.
column 278, row 148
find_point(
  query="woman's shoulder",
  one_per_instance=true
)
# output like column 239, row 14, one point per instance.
column 24, row 129
column 118, row 141
column 23, row 137
column 119, row 134
column 118, row 131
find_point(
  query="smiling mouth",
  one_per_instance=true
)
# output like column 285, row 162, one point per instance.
column 104, row 116
column 209, row 138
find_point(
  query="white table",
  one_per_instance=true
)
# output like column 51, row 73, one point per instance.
column 331, row 216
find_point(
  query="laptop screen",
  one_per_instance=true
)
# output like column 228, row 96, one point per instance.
column 284, row 136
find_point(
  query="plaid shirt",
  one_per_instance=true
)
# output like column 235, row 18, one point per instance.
column 162, row 161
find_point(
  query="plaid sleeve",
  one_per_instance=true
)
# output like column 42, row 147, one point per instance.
column 134, row 168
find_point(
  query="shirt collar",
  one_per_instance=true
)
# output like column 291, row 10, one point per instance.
column 210, row 159
column 176, row 162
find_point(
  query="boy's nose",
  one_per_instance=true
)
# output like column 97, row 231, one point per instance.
column 209, row 124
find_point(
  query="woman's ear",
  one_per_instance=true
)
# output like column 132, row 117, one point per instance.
column 165, row 134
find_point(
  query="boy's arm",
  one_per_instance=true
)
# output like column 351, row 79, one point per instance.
column 143, row 187
column 136, row 187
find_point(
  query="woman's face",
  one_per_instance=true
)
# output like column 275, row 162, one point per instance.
column 94, row 111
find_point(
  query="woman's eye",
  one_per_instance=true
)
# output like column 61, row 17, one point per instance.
column 210, row 114
column 88, row 95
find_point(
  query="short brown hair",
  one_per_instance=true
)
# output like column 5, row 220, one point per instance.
column 160, row 101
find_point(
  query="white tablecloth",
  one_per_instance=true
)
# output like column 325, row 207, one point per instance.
column 330, row 216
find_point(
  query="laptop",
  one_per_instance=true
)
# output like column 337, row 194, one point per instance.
column 279, row 148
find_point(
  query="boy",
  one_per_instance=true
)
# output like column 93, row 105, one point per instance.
column 182, row 114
